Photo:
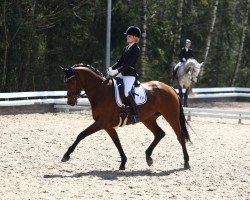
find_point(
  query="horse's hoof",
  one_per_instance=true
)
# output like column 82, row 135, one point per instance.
column 187, row 166
column 122, row 168
column 149, row 161
column 65, row 158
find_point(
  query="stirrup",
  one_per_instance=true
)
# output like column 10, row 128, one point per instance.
column 135, row 119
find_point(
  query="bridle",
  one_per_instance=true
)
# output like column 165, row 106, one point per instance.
column 77, row 92
column 72, row 74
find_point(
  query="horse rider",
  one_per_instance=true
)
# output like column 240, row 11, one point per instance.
column 185, row 53
column 125, row 67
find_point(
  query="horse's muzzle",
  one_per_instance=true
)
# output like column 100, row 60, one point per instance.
column 72, row 101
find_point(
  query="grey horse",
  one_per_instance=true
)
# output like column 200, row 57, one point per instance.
column 187, row 74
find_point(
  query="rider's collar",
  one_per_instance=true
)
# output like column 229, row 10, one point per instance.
column 130, row 45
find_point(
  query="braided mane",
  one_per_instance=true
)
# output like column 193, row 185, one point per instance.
column 89, row 67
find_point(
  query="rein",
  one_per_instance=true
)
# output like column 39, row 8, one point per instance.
column 74, row 94
column 71, row 73
column 78, row 93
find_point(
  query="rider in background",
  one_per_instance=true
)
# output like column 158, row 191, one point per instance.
column 184, row 55
column 125, row 67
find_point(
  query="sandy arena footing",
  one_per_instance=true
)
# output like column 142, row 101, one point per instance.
column 32, row 145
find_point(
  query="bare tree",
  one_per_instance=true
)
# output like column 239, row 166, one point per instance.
column 247, row 84
column 211, row 29
column 144, row 33
column 241, row 46
column 178, row 23
column 24, row 69
column 144, row 27
column 6, row 46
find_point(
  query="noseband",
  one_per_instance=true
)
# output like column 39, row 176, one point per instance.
column 73, row 94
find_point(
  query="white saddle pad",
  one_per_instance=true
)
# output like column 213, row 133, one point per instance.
column 140, row 95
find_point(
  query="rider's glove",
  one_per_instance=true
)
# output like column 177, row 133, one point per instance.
column 113, row 72
column 184, row 59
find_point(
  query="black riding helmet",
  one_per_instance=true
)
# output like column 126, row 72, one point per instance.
column 133, row 30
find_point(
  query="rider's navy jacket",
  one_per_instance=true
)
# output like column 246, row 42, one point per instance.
column 126, row 64
column 186, row 54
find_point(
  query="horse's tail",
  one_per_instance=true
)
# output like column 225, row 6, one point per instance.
column 183, row 123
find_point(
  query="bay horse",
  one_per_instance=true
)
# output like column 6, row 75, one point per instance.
column 161, row 100
column 187, row 75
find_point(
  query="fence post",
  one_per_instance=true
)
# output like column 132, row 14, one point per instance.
column 189, row 116
column 67, row 109
column 239, row 122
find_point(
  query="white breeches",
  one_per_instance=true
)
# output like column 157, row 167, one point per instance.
column 128, row 82
column 178, row 65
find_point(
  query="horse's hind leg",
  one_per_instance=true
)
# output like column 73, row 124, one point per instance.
column 152, row 125
column 113, row 134
column 175, row 124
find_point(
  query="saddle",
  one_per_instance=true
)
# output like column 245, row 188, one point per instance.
column 137, row 90
column 139, row 95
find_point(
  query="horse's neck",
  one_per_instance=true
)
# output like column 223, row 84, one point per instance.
column 190, row 65
column 95, row 88
column 92, row 81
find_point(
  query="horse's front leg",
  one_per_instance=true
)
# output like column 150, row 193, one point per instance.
column 88, row 131
column 114, row 136
column 186, row 97
column 181, row 94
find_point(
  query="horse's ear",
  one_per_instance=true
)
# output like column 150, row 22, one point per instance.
column 62, row 68
column 201, row 64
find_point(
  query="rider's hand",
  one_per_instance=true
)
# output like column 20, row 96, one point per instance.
column 113, row 72
column 184, row 59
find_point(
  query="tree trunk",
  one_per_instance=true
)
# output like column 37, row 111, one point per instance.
column 178, row 30
column 144, row 34
column 247, row 84
column 241, row 47
column 214, row 16
column 6, row 47
column 26, row 70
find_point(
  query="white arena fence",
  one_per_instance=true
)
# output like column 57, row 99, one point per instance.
column 59, row 101
column 31, row 98
column 216, row 113
column 222, row 92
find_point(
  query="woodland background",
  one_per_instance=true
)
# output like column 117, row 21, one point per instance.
column 36, row 37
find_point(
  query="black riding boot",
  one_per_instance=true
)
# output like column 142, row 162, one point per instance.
column 135, row 116
column 174, row 73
